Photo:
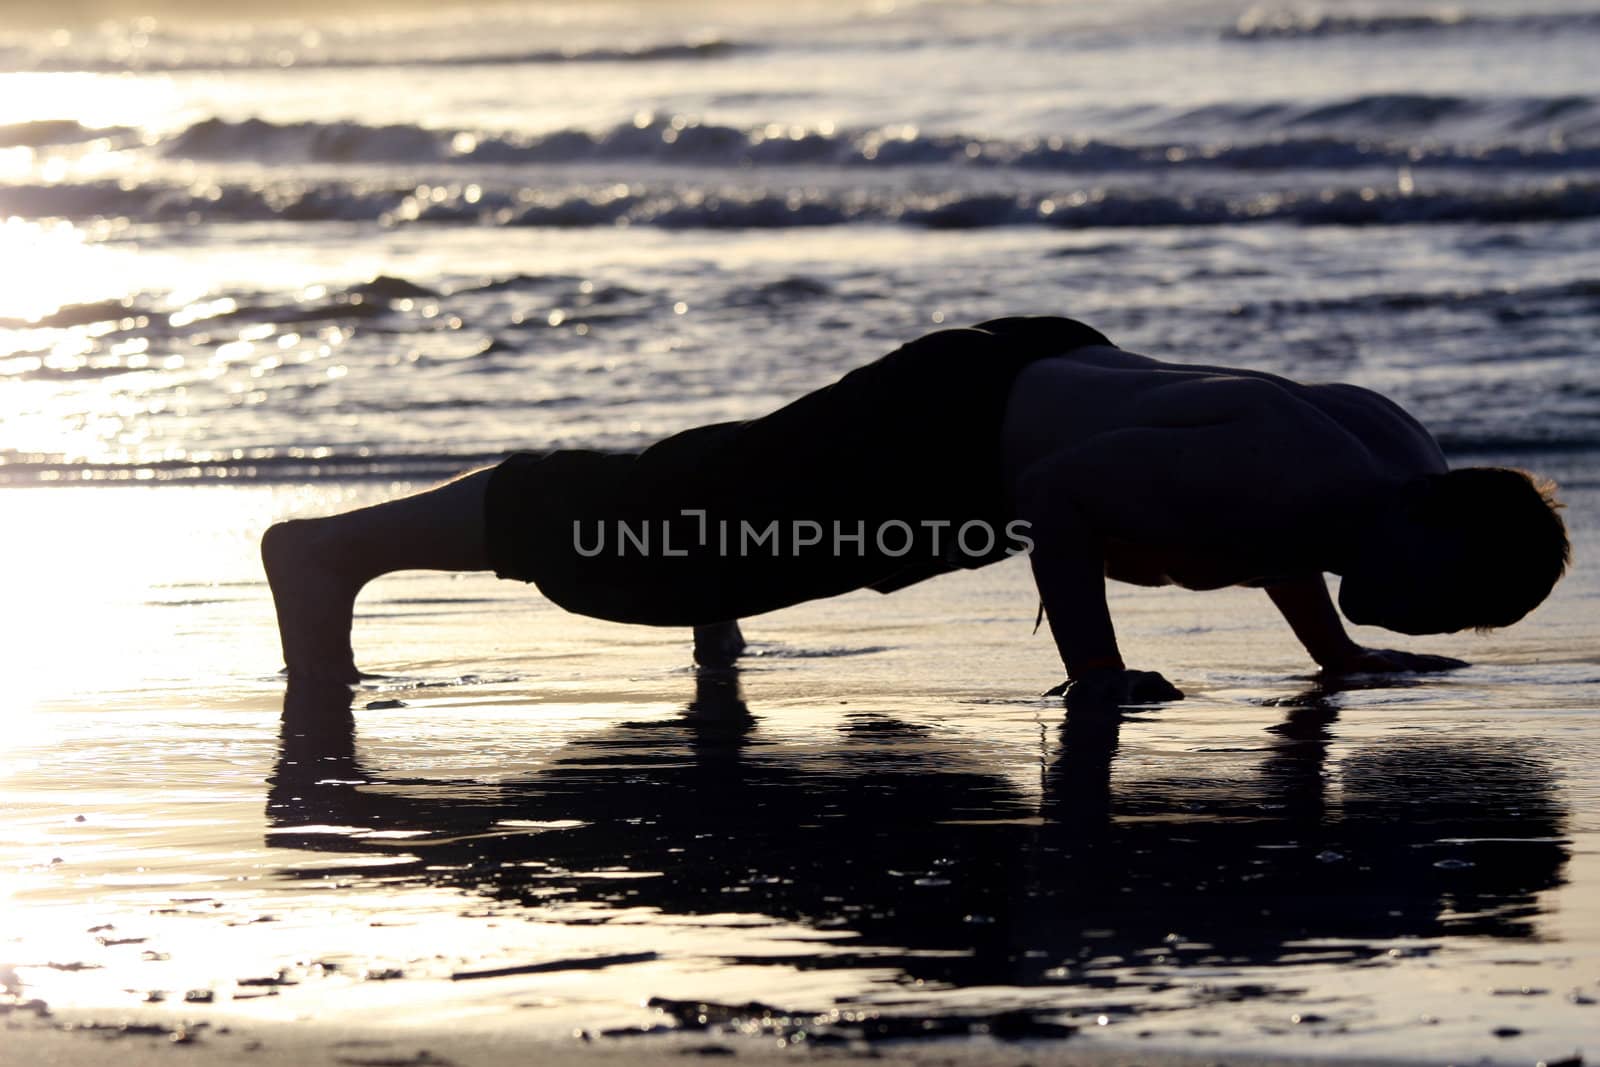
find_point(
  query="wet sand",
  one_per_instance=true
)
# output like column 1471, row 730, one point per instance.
column 297, row 1044
column 547, row 837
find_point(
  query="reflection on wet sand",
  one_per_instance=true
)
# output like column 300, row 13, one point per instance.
column 1185, row 884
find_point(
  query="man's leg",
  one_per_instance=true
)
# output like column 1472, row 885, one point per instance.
column 317, row 566
column 718, row 644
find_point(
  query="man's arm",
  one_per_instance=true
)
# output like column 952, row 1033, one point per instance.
column 1069, row 569
column 1068, row 562
column 1309, row 611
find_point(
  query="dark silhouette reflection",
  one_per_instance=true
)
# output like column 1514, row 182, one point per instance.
column 1127, row 869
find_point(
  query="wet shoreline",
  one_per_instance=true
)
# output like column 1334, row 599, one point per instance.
column 539, row 824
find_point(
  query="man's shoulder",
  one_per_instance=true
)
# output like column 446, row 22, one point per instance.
column 1351, row 393
column 1386, row 428
column 1343, row 400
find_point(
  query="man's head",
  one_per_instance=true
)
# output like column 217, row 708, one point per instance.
column 1476, row 547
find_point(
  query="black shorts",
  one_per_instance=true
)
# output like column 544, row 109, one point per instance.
column 890, row 475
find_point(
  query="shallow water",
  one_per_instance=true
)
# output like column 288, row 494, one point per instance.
column 874, row 829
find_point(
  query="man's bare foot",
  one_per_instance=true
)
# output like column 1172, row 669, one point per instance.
column 718, row 644
column 315, row 597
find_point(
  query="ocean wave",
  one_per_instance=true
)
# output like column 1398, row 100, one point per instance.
column 677, row 141
column 1543, row 439
column 1505, row 300
column 251, row 465
column 711, row 48
column 181, row 56
column 1366, row 114
column 44, row 133
column 784, row 292
column 382, row 295
column 1261, row 24
column 157, row 202
column 278, row 465
column 768, row 208
column 315, row 142
column 69, row 315
column 583, row 300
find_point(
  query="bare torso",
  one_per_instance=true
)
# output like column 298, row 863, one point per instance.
column 1204, row 476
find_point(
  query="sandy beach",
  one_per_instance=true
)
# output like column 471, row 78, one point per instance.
column 543, row 836
column 295, row 1044
column 154, row 1044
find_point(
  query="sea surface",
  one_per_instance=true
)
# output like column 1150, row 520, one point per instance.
column 401, row 245
column 254, row 269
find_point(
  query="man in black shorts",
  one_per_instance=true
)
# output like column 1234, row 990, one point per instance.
column 1023, row 435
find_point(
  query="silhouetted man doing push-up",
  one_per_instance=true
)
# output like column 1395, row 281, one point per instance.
column 959, row 449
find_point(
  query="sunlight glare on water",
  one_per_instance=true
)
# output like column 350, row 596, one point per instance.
column 94, row 100
column 104, row 592
column 44, row 265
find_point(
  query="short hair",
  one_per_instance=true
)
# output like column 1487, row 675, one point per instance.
column 1508, row 527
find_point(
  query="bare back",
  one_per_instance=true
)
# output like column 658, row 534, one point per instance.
column 1204, row 476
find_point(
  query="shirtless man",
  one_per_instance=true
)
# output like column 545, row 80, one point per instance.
column 1023, row 433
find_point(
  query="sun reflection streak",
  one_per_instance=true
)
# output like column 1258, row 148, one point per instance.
column 103, row 584
column 44, row 265
column 92, row 99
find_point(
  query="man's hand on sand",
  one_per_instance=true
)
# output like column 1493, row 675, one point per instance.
column 1114, row 688
column 1389, row 661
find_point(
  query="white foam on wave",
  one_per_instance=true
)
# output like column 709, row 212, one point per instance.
column 766, row 206
column 1266, row 24
column 1541, row 132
